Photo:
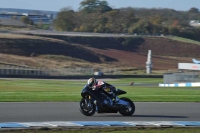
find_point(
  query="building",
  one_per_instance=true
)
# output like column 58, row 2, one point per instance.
column 187, row 72
column 194, row 23
column 36, row 18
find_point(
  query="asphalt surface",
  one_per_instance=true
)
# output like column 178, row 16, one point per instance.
column 69, row 111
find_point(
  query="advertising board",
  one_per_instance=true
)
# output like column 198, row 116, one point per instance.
column 189, row 66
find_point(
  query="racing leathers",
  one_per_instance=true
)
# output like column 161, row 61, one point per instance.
column 107, row 88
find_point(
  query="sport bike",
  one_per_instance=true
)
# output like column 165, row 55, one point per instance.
column 98, row 101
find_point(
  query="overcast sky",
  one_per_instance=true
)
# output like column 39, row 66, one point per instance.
column 56, row 5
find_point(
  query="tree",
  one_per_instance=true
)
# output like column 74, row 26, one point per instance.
column 175, row 23
column 142, row 27
column 100, row 24
column 174, row 31
column 194, row 10
column 68, row 8
column 97, row 16
column 156, row 19
column 26, row 20
column 65, row 21
column 91, row 6
column 103, row 7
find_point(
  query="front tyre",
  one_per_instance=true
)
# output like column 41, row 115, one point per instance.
column 127, row 110
column 87, row 107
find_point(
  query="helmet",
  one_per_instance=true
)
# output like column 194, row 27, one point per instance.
column 91, row 82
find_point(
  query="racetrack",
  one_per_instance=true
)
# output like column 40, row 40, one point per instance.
column 69, row 111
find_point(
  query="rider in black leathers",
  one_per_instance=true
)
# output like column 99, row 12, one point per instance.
column 107, row 88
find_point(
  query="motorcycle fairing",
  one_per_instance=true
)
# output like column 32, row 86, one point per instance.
column 120, row 92
column 96, row 94
column 122, row 102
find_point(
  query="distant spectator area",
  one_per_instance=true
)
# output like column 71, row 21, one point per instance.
column 36, row 18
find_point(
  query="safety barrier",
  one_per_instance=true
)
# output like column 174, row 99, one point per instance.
column 181, row 85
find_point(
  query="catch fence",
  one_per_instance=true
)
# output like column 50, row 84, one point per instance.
column 182, row 77
column 17, row 70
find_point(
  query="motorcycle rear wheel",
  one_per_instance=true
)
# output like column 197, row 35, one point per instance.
column 86, row 109
column 127, row 111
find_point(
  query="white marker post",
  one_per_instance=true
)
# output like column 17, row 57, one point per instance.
column 149, row 63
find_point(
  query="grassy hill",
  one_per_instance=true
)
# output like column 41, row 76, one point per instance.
column 120, row 52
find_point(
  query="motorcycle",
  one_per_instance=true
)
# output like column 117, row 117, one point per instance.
column 97, row 101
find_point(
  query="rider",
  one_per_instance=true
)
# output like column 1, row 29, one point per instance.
column 107, row 88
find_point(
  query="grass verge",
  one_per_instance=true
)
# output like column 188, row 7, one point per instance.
column 176, row 38
column 64, row 90
column 111, row 130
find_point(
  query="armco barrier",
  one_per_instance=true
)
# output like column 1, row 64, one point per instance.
column 180, row 85
column 99, row 124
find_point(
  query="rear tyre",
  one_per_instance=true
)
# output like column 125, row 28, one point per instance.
column 127, row 110
column 87, row 109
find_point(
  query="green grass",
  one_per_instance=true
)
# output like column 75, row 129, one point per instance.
column 43, row 26
column 112, row 130
column 137, row 81
column 65, row 90
column 176, row 38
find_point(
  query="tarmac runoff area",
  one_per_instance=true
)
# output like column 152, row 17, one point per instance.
column 66, row 114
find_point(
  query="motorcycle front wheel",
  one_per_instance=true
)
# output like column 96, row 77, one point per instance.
column 127, row 110
column 87, row 107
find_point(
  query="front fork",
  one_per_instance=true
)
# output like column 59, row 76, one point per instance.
column 88, row 102
column 95, row 102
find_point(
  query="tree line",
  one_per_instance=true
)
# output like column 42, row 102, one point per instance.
column 97, row 16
